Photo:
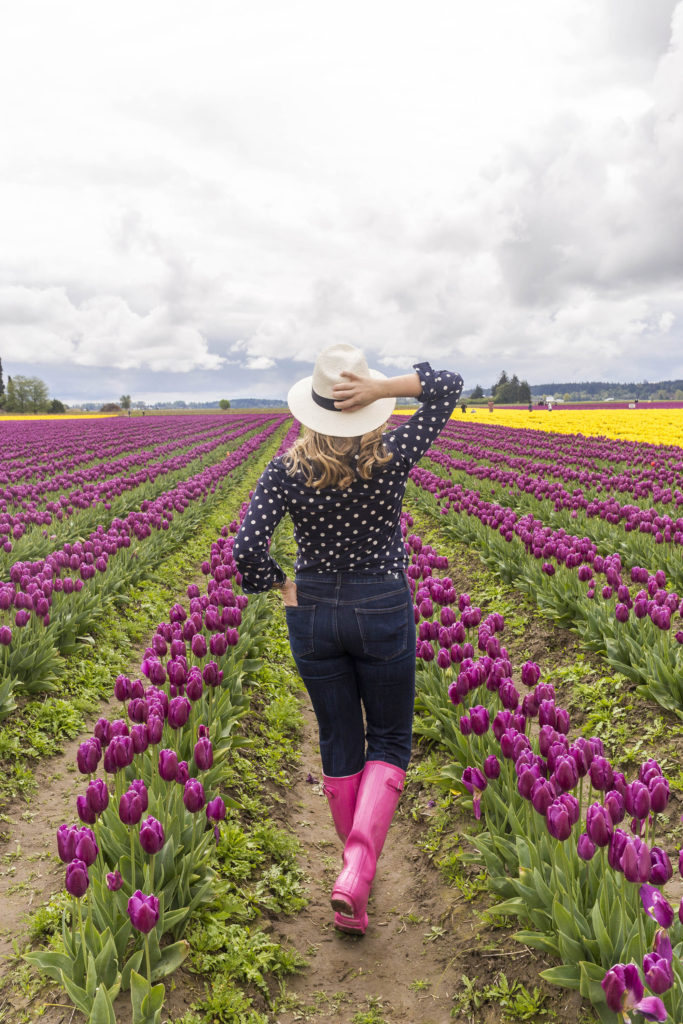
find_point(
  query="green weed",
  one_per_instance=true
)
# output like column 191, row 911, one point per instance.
column 373, row 1014
column 516, row 1002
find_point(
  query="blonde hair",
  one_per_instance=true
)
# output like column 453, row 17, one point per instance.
column 326, row 461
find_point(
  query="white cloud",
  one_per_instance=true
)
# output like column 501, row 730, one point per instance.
column 479, row 184
column 44, row 326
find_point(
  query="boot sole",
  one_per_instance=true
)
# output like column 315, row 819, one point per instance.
column 351, row 926
column 341, row 905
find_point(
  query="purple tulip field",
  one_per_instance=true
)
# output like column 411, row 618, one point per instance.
column 581, row 857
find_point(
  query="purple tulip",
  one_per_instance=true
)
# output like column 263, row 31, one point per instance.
column 168, row 765
column 218, row 644
column 155, row 729
column 621, row 613
column 183, row 773
column 624, row 991
column 97, row 795
column 85, row 813
column 565, row 774
column 85, row 847
column 151, row 835
column 585, row 847
column 531, row 673
column 492, row 767
column 178, row 712
column 614, row 802
column 130, row 808
column 215, row 809
column 77, row 880
column 658, row 788
column 656, row 906
column 114, row 881
column 562, row 721
column 122, row 688
column 601, row 773
column 194, row 687
column 203, row 754
column 661, row 869
column 443, row 658
column 480, row 719
column 193, row 795
column 88, row 756
column 658, row 973
column 119, row 753
column 5, row 636
column 141, row 789
column 558, row 820
column 103, row 730
column 527, row 776
column 143, row 911
column 212, row 675
column 475, row 783
column 139, row 738
column 636, row 862
column 198, row 645
column 599, row 825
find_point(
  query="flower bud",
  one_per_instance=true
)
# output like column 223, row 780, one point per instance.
column 168, row 765
column 193, row 795
column 77, row 880
column 151, row 835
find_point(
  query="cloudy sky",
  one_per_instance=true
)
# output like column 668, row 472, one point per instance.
column 196, row 198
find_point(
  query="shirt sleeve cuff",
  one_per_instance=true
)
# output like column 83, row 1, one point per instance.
column 426, row 375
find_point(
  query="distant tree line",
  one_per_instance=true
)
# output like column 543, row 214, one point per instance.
column 577, row 391
column 27, row 394
column 597, row 390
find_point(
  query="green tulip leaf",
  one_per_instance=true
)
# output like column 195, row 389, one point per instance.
column 78, row 996
column 102, row 1008
column 537, row 940
column 153, row 1001
column 566, row 975
column 133, row 964
column 170, row 959
column 91, row 978
column 50, row 963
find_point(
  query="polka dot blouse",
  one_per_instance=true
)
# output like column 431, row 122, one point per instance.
column 351, row 530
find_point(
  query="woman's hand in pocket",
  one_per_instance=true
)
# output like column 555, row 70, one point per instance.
column 288, row 592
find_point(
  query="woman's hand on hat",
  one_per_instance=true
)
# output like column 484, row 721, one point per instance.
column 356, row 392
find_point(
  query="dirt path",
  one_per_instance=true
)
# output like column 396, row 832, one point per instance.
column 30, row 871
column 422, row 936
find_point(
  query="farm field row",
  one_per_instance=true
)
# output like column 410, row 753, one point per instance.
column 563, row 834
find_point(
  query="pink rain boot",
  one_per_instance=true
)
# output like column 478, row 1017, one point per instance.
column 341, row 792
column 378, row 796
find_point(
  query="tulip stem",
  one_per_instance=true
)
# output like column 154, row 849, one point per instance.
column 132, row 859
column 151, row 873
column 149, row 966
column 622, row 888
column 73, row 922
column 82, row 931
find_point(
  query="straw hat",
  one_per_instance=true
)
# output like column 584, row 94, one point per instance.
column 310, row 400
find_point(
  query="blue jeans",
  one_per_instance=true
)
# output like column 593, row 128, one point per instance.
column 353, row 640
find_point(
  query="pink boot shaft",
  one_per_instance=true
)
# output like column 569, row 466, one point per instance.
column 341, row 792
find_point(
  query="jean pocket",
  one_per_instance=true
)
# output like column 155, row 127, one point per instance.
column 300, row 626
column 384, row 632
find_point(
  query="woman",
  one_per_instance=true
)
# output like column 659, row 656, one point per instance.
column 349, row 609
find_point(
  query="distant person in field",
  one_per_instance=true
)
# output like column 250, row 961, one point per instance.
column 349, row 608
